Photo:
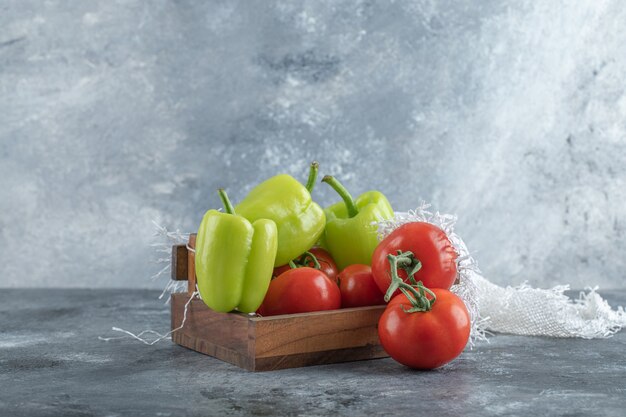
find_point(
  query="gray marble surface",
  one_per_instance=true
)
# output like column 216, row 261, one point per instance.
column 52, row 364
column 508, row 113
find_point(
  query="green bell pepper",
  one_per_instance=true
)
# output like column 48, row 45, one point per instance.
column 299, row 220
column 234, row 259
column 351, row 234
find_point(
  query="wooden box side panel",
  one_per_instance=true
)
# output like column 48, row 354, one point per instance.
column 296, row 360
column 221, row 335
column 336, row 330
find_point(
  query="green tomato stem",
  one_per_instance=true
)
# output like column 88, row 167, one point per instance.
column 416, row 293
column 228, row 207
column 310, row 184
column 309, row 257
column 304, row 261
column 343, row 193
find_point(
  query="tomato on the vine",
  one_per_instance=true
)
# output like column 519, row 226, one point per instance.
column 326, row 262
column 358, row 287
column 428, row 244
column 425, row 339
column 300, row 290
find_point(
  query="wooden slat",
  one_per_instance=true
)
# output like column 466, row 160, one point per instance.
column 224, row 336
column 318, row 331
column 179, row 263
column 297, row 360
column 183, row 263
column 278, row 342
column 191, row 265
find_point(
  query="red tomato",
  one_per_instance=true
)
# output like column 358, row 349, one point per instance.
column 326, row 261
column 429, row 244
column 429, row 339
column 280, row 269
column 300, row 290
column 358, row 287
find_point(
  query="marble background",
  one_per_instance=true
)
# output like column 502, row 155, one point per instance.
column 511, row 114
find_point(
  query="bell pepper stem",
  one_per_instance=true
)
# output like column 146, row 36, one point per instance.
column 310, row 184
column 228, row 207
column 343, row 193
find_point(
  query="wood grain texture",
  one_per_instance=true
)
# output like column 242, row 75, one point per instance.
column 191, row 265
column 222, row 335
column 278, row 342
column 317, row 331
column 297, row 360
column 179, row 263
column 183, row 263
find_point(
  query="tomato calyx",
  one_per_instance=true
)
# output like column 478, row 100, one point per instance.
column 414, row 292
column 304, row 260
column 308, row 257
column 405, row 261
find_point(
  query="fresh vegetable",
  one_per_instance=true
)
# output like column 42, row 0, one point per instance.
column 351, row 233
column 358, row 287
column 282, row 199
column 326, row 261
column 234, row 259
column 420, row 247
column 317, row 258
column 425, row 339
column 300, row 290
column 422, row 328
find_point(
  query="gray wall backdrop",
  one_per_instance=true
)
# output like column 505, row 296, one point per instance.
column 510, row 114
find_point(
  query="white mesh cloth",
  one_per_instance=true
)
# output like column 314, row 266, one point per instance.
column 517, row 310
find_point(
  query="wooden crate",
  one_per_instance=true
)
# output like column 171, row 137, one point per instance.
column 268, row 343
